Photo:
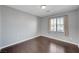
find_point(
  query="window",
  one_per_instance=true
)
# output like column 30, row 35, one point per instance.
column 57, row 24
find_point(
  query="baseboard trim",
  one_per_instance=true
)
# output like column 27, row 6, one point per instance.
column 38, row 36
column 60, row 39
column 19, row 41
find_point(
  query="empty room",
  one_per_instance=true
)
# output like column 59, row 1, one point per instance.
column 39, row 28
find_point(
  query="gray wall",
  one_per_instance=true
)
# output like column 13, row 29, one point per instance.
column 72, row 27
column 39, row 26
column 17, row 25
column 78, row 24
column 0, row 26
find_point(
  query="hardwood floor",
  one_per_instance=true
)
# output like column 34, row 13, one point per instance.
column 42, row 44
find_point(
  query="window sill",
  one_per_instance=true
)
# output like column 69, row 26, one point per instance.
column 55, row 32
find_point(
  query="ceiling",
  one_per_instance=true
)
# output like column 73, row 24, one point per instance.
column 50, row 9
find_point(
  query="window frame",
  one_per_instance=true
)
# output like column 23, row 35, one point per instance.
column 49, row 22
column 66, row 25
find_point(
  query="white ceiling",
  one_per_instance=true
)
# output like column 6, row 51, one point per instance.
column 50, row 9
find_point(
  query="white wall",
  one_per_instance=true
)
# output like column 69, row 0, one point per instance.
column 17, row 25
column 72, row 27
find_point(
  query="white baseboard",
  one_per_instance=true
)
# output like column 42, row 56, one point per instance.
column 60, row 39
column 19, row 42
column 37, row 36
